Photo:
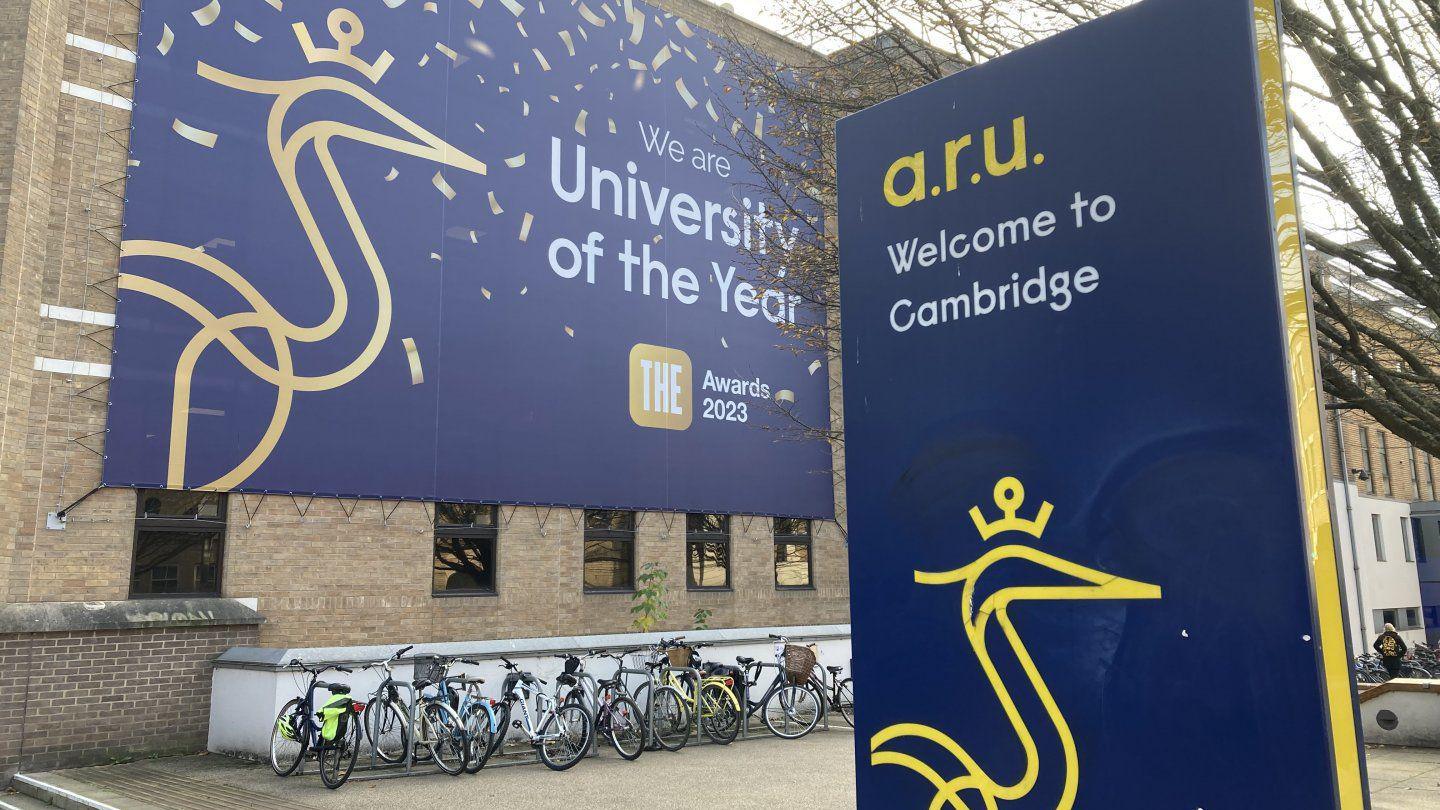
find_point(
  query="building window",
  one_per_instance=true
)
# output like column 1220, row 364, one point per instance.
column 1417, row 536
column 609, row 550
column 1366, row 460
column 707, row 552
column 1384, row 617
column 1430, row 474
column 1405, row 540
column 794, row 563
column 466, row 535
column 1379, row 538
column 179, row 543
column 1412, row 617
column 1385, row 463
column 1425, row 489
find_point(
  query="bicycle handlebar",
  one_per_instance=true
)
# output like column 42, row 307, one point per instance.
column 402, row 651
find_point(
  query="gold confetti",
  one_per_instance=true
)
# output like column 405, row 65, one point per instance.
column 519, row 26
column 759, row 125
column 394, row 3
column 585, row 35
column 485, row 293
column 276, row 4
column 525, row 230
column 208, row 14
column 480, row 48
column 735, row 127
column 612, row 125
column 133, row 162
column 516, row 66
column 249, row 35
column 589, row 16
column 637, row 24
column 477, row 3
column 690, row 56
column 435, row 256
column 609, row 13
column 638, row 65
column 661, row 58
column 495, row 205
column 447, row 50
column 540, row 57
column 540, row 6
column 394, row 173
column 189, row 133
column 424, row 59
column 473, row 238
column 684, row 28
column 685, row 93
column 472, row 26
column 724, row 342
column 580, row 122
column 515, row 8
column 814, row 366
column 432, row 7
column 569, row 42
column 657, row 239
column 785, row 395
column 524, row 108
column 569, row 331
column 167, row 38
column 524, row 290
column 504, row 89
column 719, row 65
column 443, row 186
column 710, row 108
column 412, row 354
column 515, row 162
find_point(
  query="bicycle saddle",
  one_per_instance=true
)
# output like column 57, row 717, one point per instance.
column 422, row 683
column 835, row 670
column 613, row 683
column 335, row 688
column 566, row 678
column 743, row 661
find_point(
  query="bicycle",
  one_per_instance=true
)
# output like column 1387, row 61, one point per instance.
column 476, row 712
column 665, row 706
column 841, row 698
column 790, row 708
column 437, row 726
column 714, row 706
column 332, row 730
column 560, row 734
column 617, row 716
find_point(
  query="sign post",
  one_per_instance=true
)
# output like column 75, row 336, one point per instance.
column 1092, row 559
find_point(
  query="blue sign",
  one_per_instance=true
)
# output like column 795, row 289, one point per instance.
column 457, row 251
column 1092, row 563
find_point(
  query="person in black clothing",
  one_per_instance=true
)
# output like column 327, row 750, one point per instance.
column 1392, row 650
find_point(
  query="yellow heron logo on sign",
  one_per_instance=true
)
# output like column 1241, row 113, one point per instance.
column 1009, row 496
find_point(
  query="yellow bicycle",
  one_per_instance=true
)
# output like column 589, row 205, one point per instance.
column 716, row 708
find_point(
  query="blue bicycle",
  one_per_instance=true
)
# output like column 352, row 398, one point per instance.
column 331, row 731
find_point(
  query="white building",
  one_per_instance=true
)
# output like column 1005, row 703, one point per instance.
column 1379, row 567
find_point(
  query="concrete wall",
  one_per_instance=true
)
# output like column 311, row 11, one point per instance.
column 1392, row 584
column 249, row 689
column 1410, row 707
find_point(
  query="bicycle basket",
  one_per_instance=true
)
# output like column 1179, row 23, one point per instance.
column 429, row 668
column 679, row 656
column 799, row 663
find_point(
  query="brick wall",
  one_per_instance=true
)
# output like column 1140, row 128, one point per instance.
column 1396, row 469
column 82, row 698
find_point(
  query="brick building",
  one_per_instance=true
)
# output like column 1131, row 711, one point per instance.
column 171, row 579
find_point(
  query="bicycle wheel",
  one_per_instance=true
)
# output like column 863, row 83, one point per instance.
column 625, row 727
column 480, row 728
column 719, row 713
column 564, row 736
column 669, row 718
column 444, row 737
column 336, row 758
column 576, row 697
column 387, row 727
column 792, row 711
column 288, row 739
column 845, row 701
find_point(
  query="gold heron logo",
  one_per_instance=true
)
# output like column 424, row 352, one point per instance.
column 285, row 150
column 1009, row 496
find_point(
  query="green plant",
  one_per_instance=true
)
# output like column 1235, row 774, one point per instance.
column 650, row 608
column 702, row 619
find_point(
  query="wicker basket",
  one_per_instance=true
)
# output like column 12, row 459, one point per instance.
column 679, row 656
column 430, row 668
column 799, row 663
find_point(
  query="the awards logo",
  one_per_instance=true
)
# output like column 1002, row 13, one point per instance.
column 660, row 387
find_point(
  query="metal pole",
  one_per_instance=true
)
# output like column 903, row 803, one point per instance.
column 1350, row 526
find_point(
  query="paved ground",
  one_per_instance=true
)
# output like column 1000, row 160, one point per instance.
column 817, row 771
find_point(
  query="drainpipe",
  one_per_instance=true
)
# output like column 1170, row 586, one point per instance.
column 1350, row 524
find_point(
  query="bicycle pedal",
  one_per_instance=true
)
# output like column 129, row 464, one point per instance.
column 515, row 724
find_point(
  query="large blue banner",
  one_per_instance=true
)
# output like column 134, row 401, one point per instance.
column 1092, row 563
column 453, row 250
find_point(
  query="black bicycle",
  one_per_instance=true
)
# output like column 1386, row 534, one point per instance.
column 331, row 731
column 790, row 708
